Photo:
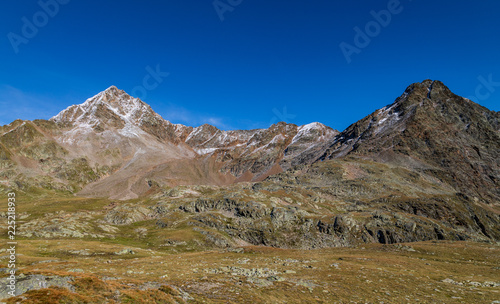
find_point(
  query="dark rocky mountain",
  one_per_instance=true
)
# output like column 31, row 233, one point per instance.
column 116, row 204
column 425, row 167
column 431, row 130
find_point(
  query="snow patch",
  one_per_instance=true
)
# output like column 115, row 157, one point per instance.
column 205, row 151
column 306, row 130
column 277, row 139
column 194, row 133
column 311, row 126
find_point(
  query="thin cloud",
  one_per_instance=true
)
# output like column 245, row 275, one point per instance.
column 17, row 104
column 177, row 114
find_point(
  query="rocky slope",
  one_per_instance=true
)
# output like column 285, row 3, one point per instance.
column 183, row 207
column 433, row 131
column 425, row 167
column 114, row 145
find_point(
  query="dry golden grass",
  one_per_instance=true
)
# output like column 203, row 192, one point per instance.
column 159, row 272
column 370, row 274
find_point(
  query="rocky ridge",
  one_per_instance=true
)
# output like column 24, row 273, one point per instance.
column 431, row 130
column 112, row 136
column 423, row 168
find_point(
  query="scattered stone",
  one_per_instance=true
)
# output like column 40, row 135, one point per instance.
column 243, row 261
column 491, row 284
column 173, row 243
column 236, row 250
column 260, row 282
column 84, row 252
column 45, row 261
column 275, row 279
column 125, row 251
column 75, row 270
column 239, row 271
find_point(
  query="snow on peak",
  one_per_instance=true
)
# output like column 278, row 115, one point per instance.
column 312, row 130
column 311, row 126
column 112, row 107
column 111, row 88
column 117, row 101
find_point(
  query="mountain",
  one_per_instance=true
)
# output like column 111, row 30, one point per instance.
column 255, row 154
column 431, row 130
column 114, row 145
column 111, row 180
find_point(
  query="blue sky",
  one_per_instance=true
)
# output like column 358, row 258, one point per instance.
column 245, row 63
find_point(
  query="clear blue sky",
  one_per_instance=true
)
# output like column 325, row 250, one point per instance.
column 243, row 71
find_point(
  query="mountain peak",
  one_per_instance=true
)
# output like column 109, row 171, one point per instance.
column 111, row 105
column 112, row 95
column 112, row 88
column 114, row 109
column 430, row 89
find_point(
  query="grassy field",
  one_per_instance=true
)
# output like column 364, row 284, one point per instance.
column 103, row 272
column 71, row 250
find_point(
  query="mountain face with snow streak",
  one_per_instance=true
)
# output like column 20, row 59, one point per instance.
column 113, row 109
column 424, row 168
column 256, row 153
column 429, row 129
column 114, row 145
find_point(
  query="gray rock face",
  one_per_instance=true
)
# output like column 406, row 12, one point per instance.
column 124, row 215
column 364, row 212
column 34, row 282
column 240, row 209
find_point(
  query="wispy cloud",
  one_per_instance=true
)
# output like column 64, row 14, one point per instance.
column 177, row 114
column 17, row 104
